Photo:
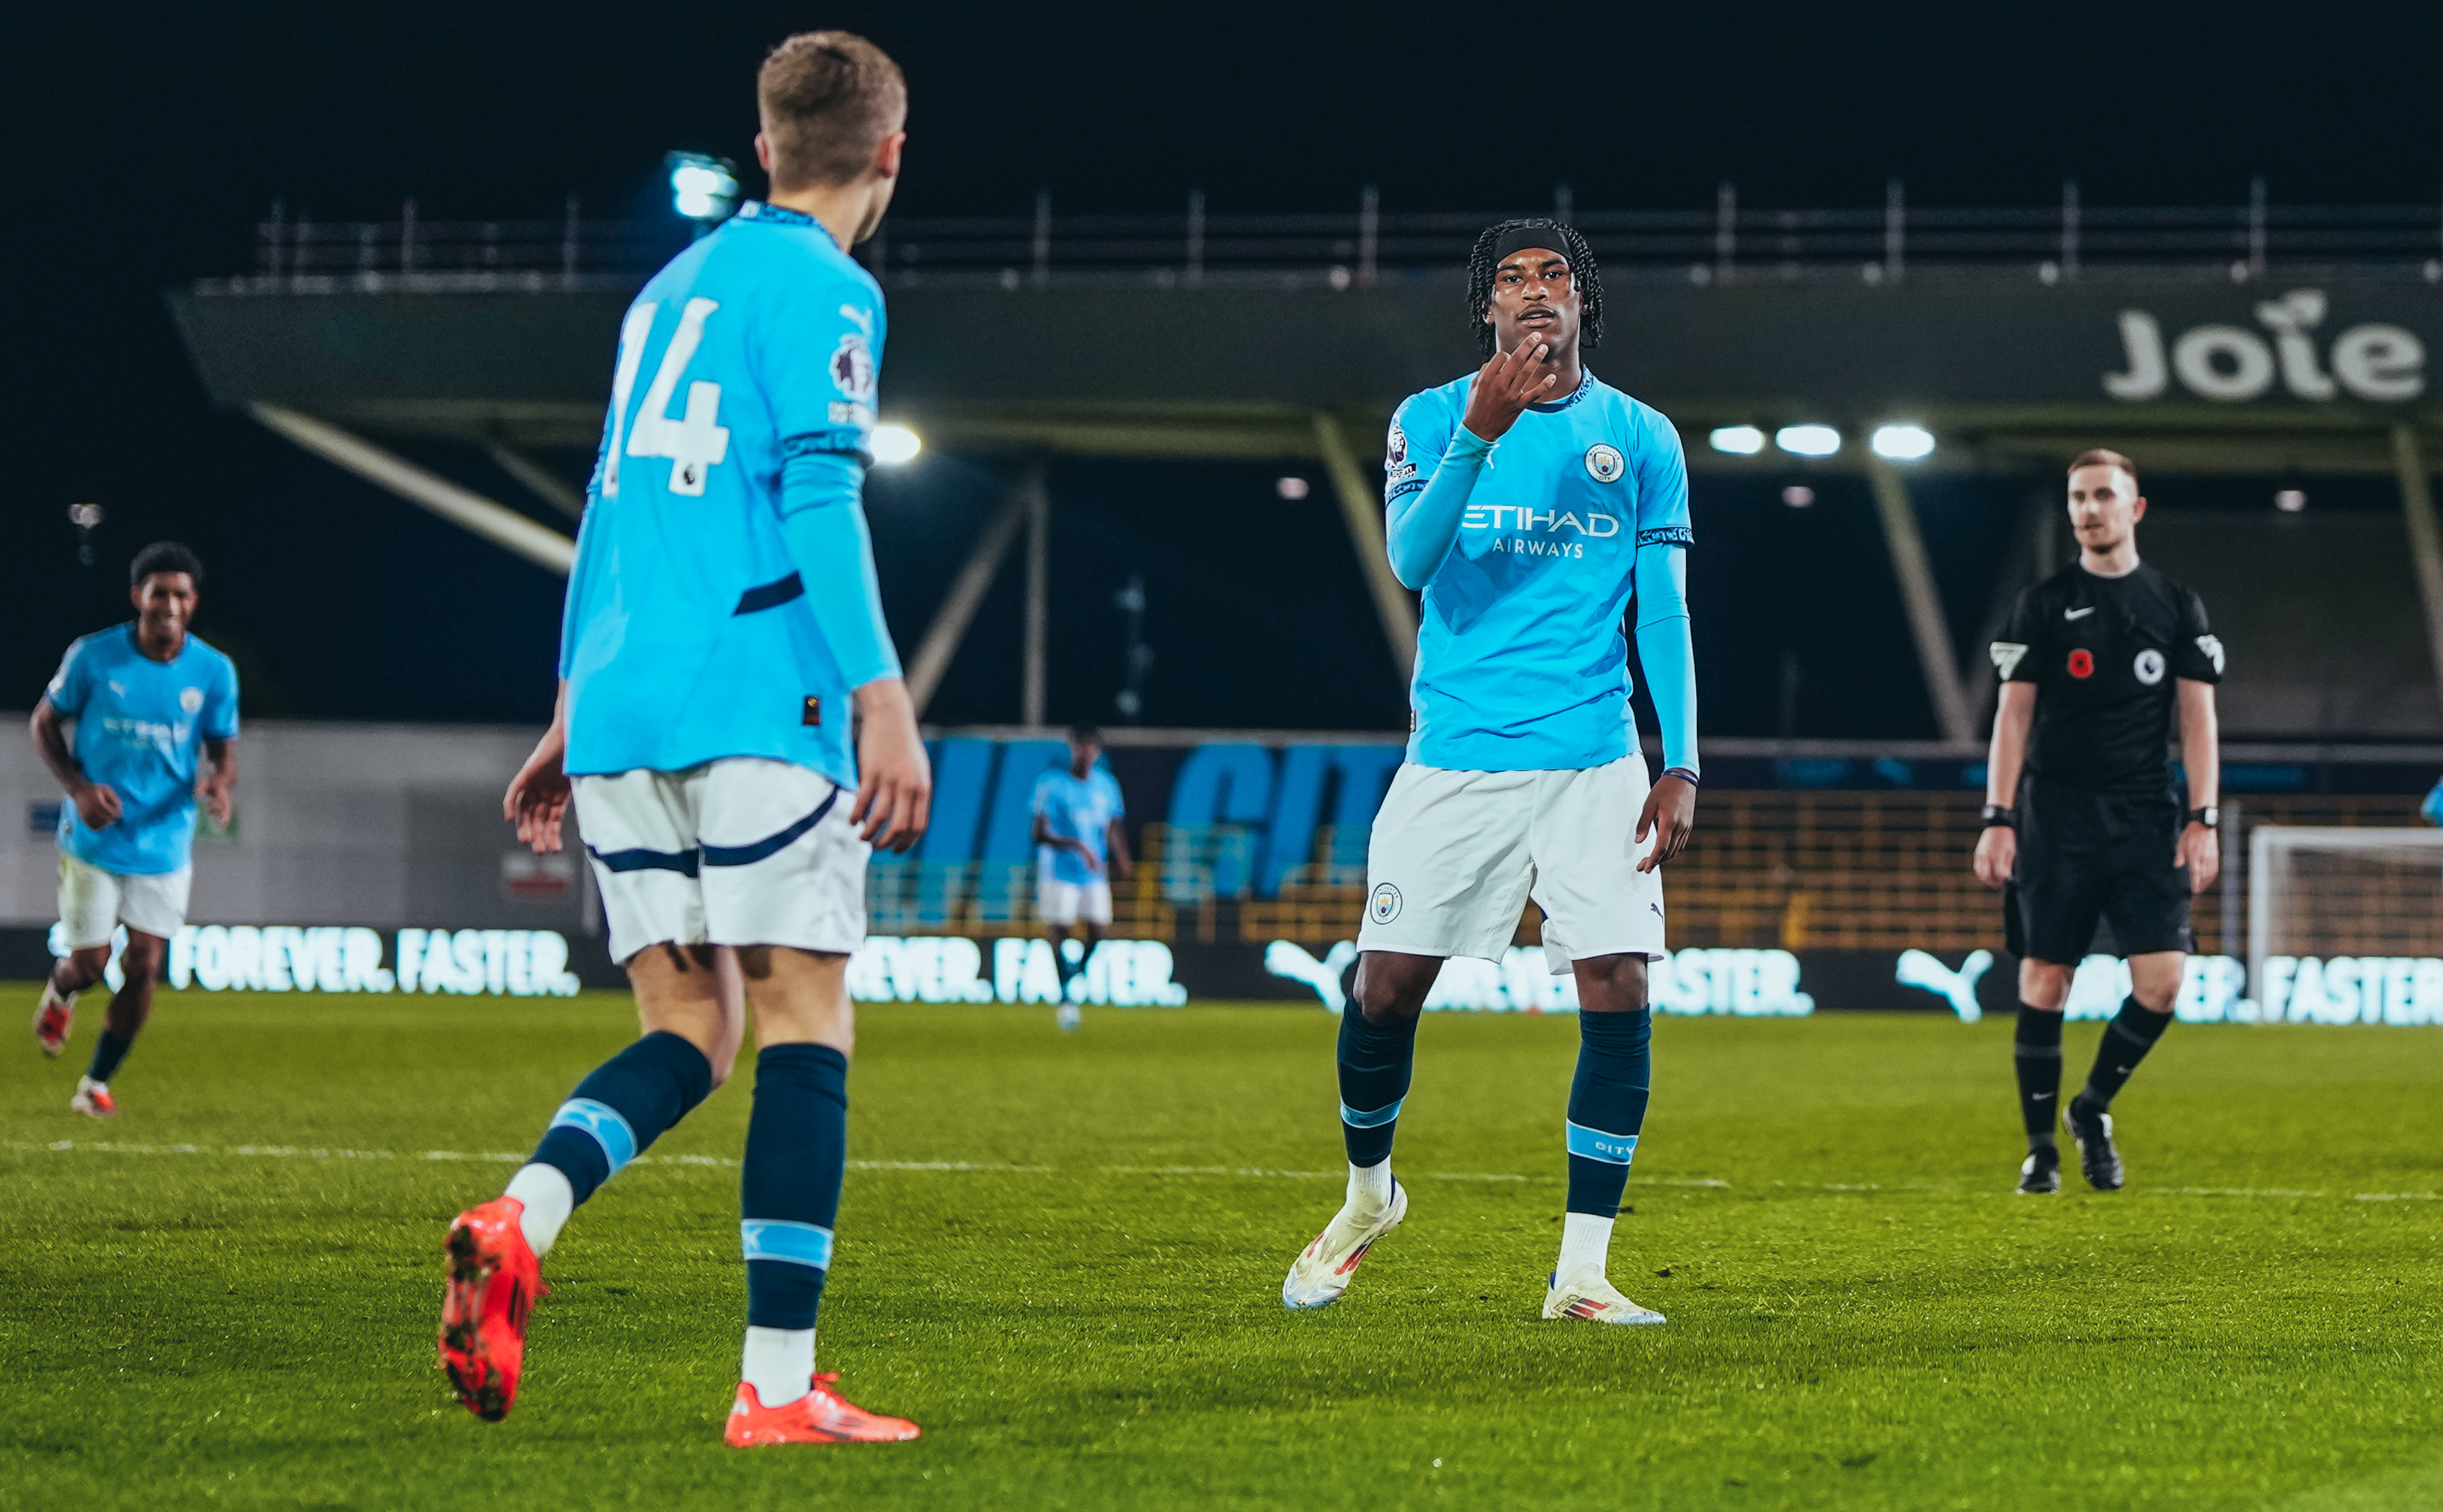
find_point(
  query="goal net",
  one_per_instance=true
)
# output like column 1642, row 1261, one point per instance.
column 2356, row 907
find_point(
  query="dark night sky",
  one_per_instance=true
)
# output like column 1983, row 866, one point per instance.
column 145, row 141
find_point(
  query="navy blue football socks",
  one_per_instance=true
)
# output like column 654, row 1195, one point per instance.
column 1607, row 1106
column 2035, row 1051
column 797, row 1149
column 627, row 1103
column 2132, row 1032
column 107, row 1052
column 1375, row 1063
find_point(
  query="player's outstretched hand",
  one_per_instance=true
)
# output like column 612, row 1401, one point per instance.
column 538, row 797
column 1506, row 385
column 894, row 782
column 1997, row 855
column 97, row 804
column 2200, row 850
column 1669, row 815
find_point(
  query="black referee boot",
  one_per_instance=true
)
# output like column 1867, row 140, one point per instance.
column 2041, row 1175
column 2092, row 1128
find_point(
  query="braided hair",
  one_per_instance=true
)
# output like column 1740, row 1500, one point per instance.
column 1584, row 276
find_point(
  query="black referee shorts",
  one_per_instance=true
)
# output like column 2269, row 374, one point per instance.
column 2088, row 858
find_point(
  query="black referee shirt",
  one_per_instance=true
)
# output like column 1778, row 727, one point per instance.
column 2105, row 654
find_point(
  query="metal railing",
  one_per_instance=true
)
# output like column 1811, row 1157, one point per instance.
column 1727, row 242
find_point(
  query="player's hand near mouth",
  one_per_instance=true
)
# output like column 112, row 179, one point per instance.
column 1506, row 385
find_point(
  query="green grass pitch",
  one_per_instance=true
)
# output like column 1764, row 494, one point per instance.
column 1063, row 1255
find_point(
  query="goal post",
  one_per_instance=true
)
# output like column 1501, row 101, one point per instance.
column 2333, row 890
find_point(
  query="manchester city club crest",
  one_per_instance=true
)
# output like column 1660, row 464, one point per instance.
column 1603, row 462
column 190, row 698
column 1385, row 906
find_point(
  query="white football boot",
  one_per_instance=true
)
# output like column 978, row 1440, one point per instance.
column 1324, row 1268
column 1597, row 1300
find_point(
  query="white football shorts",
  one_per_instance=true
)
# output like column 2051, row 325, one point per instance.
column 94, row 902
column 1455, row 856
column 1071, row 903
column 744, row 850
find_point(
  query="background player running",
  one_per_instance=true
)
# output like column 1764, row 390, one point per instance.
column 1527, row 502
column 151, row 705
column 2082, row 821
column 1079, row 847
column 721, row 617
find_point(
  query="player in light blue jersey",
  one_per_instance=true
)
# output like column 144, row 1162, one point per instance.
column 151, row 705
column 1538, row 509
column 1079, row 847
column 724, row 636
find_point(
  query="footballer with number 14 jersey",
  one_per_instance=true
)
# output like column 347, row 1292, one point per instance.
column 724, row 631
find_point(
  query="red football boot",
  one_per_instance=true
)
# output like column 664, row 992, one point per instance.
column 820, row 1417
column 52, row 1016
column 492, row 1284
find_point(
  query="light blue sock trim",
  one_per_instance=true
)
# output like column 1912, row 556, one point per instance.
column 604, row 1123
column 799, row 1243
column 1369, row 1120
column 1594, row 1144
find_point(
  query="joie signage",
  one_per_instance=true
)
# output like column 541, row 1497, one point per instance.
column 2288, row 346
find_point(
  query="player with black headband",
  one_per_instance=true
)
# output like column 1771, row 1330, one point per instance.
column 1529, row 502
column 2082, row 822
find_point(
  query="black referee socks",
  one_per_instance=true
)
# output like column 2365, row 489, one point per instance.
column 2036, row 1050
column 2132, row 1032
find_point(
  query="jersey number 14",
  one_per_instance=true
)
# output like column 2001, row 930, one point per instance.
column 693, row 439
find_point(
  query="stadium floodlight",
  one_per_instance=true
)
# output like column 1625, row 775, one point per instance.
column 702, row 188
column 1902, row 443
column 1739, row 441
column 1808, row 441
column 894, row 444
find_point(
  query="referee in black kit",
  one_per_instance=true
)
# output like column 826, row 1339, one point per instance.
column 2082, row 822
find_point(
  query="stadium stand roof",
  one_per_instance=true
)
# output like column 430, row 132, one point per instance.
column 2256, row 339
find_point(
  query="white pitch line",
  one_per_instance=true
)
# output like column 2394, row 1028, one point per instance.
column 1707, row 1183
column 282, row 1152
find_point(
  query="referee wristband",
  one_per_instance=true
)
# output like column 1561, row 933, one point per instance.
column 1995, row 814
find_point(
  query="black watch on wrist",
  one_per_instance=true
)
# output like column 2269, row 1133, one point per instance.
column 2209, row 817
column 1996, row 815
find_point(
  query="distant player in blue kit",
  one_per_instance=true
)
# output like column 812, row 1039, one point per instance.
column 724, row 635
column 1079, row 847
column 1533, row 504
column 155, row 717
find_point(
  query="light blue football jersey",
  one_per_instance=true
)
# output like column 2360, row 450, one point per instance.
column 1521, row 661
column 140, row 725
column 1078, row 809
column 687, row 635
